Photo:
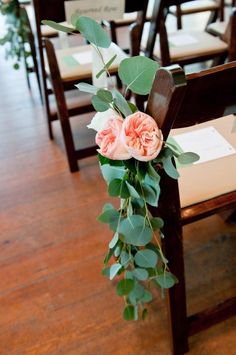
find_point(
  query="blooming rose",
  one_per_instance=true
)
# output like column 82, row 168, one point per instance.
column 100, row 119
column 141, row 136
column 109, row 141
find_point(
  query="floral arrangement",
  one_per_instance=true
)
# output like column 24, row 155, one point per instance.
column 17, row 31
column 131, row 153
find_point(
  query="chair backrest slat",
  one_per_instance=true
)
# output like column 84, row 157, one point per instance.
column 178, row 101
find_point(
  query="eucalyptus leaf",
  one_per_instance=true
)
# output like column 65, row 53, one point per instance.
column 112, row 172
column 114, row 269
column 57, row 26
column 137, row 293
column 140, row 274
column 157, row 223
column 146, row 258
column 124, row 287
column 147, row 297
column 125, row 258
column 114, row 240
column 117, row 187
column 99, row 105
column 132, row 192
column 138, row 73
column 134, row 231
column 117, row 251
column 166, row 280
column 188, row 158
column 121, row 103
column 105, row 95
column 106, row 66
column 85, row 87
column 129, row 313
column 169, row 167
column 109, row 215
column 93, row 32
column 106, row 271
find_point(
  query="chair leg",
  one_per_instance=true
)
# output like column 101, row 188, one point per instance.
column 69, row 145
column 173, row 249
column 179, row 17
column 177, row 305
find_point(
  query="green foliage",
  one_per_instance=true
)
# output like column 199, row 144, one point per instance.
column 17, row 33
column 93, row 32
column 134, row 254
column 57, row 26
column 138, row 73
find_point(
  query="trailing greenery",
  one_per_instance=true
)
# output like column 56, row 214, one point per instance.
column 17, row 32
column 134, row 254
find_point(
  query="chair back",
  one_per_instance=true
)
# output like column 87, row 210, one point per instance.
column 158, row 26
column 178, row 101
column 55, row 79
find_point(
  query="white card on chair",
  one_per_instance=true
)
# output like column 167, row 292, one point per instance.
column 97, row 9
column 207, row 142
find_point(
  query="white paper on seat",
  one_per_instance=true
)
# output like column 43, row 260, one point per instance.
column 182, row 40
column 207, row 142
column 83, row 57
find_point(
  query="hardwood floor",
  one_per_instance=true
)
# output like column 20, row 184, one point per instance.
column 53, row 299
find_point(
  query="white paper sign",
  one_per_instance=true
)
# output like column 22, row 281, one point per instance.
column 182, row 40
column 97, row 9
column 83, row 57
column 207, row 142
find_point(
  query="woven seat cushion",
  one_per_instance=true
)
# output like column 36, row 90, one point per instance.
column 195, row 6
column 75, row 63
column 190, row 44
column 203, row 181
column 217, row 28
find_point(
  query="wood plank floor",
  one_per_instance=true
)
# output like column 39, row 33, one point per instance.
column 53, row 299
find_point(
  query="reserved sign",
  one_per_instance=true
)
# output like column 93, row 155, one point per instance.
column 97, row 9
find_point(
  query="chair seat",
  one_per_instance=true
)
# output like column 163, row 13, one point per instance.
column 187, row 44
column 203, row 181
column 195, row 6
column 217, row 28
column 75, row 63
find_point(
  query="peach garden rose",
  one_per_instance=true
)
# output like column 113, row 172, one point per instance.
column 109, row 140
column 141, row 136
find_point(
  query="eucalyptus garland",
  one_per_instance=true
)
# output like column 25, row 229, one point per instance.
column 131, row 154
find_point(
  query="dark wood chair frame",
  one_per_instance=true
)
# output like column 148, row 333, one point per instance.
column 177, row 101
column 214, row 14
column 64, row 113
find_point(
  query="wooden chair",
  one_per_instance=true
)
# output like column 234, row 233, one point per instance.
column 71, row 71
column 81, row 104
column 218, row 28
column 194, row 101
column 215, row 7
column 183, row 47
